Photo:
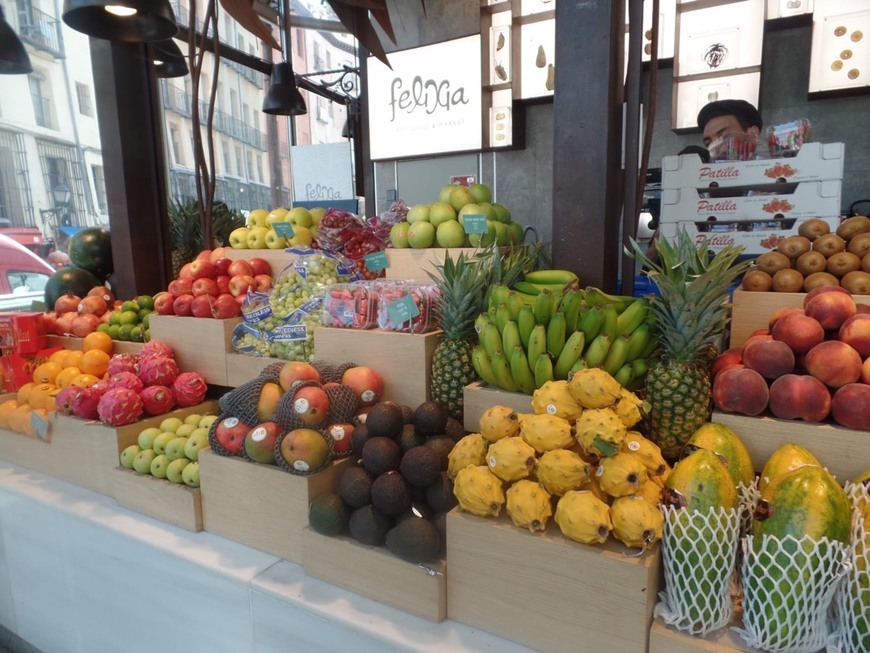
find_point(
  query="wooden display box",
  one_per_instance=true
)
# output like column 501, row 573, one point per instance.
column 404, row 360
column 752, row 310
column 666, row 640
column 242, row 368
column 409, row 263
column 374, row 572
column 843, row 451
column 201, row 344
column 71, row 342
column 173, row 503
column 546, row 591
column 260, row 505
column 478, row 397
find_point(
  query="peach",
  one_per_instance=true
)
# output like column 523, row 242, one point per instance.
column 781, row 313
column 728, row 359
column 855, row 331
column 820, row 289
column 831, row 309
column 865, row 371
column 770, row 358
column 850, row 406
column 834, row 363
column 799, row 396
column 742, row 391
column 798, row 331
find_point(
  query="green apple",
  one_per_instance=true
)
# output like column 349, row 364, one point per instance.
column 159, row 465
column 175, row 449
column 186, row 429
column 274, row 241
column 399, row 235
column 146, row 437
column 483, row 240
column 175, row 469
column 302, row 237
column 239, row 238
column 299, row 217
column 488, row 210
column 502, row 233
column 450, row 234
column 444, row 193
column 460, row 196
column 142, row 461
column 418, row 213
column 480, row 192
column 257, row 218
column 161, row 441
column 207, row 421
column 317, row 214
column 421, row 235
column 515, row 233
column 129, row 455
column 193, row 418
column 469, row 209
column 171, row 424
column 190, row 474
column 277, row 214
column 441, row 212
column 197, row 440
column 257, row 237
column 501, row 212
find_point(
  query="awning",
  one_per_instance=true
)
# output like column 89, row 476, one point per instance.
column 70, row 231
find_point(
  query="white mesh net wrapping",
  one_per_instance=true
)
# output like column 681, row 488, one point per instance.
column 853, row 599
column 788, row 585
column 698, row 554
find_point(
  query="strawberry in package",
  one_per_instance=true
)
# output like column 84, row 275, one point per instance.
column 407, row 307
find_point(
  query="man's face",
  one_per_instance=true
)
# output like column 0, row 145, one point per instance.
column 722, row 126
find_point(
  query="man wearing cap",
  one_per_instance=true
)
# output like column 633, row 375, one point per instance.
column 728, row 117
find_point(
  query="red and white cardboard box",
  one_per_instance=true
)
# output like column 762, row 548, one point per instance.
column 813, row 162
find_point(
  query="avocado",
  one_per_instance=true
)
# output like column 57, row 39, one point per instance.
column 420, row 466
column 380, row 455
column 384, row 419
column 355, row 487
column 407, row 414
column 328, row 514
column 414, row 540
column 358, row 438
column 439, row 520
column 439, row 494
column 409, row 438
column 368, row 525
column 443, row 445
column 430, row 418
column 391, row 494
column 417, row 510
column 455, row 429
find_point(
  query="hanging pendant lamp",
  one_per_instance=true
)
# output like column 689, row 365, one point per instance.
column 13, row 57
column 122, row 20
column 168, row 59
column 283, row 97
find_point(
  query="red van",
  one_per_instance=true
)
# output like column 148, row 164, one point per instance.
column 23, row 276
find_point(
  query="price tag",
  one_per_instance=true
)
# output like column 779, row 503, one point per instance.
column 377, row 261
column 475, row 223
column 39, row 425
column 402, row 310
column 283, row 229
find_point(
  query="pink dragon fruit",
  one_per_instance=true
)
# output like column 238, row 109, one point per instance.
column 123, row 363
column 158, row 370
column 120, row 406
column 156, row 348
column 64, row 399
column 157, row 399
column 126, row 380
column 102, row 385
column 85, row 403
column 189, row 389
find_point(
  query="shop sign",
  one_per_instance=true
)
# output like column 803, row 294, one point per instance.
column 322, row 172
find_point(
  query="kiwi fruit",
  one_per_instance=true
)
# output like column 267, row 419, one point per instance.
column 794, row 246
column 813, row 228
column 856, row 282
column 829, row 244
column 859, row 245
column 772, row 262
column 810, row 262
column 757, row 281
column 788, row 280
column 865, row 263
column 817, row 279
column 851, row 227
column 842, row 263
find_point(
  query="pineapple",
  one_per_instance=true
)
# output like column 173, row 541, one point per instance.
column 185, row 233
column 691, row 314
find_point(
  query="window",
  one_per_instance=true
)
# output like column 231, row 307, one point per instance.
column 249, row 160
column 240, row 170
column 260, row 168
column 41, row 101
column 83, row 93
column 225, row 147
column 21, row 281
column 100, row 188
column 176, row 145
column 234, row 103
column 300, row 43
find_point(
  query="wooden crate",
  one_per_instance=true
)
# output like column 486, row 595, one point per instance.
column 242, row 368
column 404, row 360
column 415, row 263
column 374, row 572
column 70, row 342
column 260, row 505
column 752, row 310
column 666, row 640
column 843, row 451
column 546, row 591
column 173, row 503
column 201, row 344
column 479, row 396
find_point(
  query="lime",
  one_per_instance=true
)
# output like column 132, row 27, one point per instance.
column 146, row 320
column 143, row 313
column 137, row 334
column 129, row 317
column 145, row 301
column 115, row 318
column 130, row 305
column 147, row 335
column 104, row 327
column 114, row 331
column 124, row 331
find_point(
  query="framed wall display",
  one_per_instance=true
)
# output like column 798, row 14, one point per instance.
column 840, row 55
column 529, row 7
column 719, row 38
column 537, row 58
column 500, row 52
column 691, row 95
column 667, row 29
column 786, row 8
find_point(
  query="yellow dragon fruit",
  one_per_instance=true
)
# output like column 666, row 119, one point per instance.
column 583, row 517
column 529, row 505
column 560, row 471
column 600, row 431
column 637, row 523
column 594, row 388
column 555, row 398
column 630, row 408
column 479, row 491
column 499, row 422
column 470, row 451
column 511, row 459
column 621, row 474
column 647, row 450
column 547, row 432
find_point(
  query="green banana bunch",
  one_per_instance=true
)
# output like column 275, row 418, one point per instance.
column 525, row 323
column 556, row 330
column 570, row 354
column 597, row 297
column 572, row 302
column 563, row 277
column 498, row 295
column 510, row 336
column 483, row 366
column 543, row 370
column 501, row 371
column 491, row 340
column 544, row 306
column 520, row 370
column 537, row 342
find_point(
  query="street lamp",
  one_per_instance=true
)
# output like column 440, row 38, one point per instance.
column 62, row 195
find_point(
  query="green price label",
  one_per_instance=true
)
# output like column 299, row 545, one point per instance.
column 39, row 425
column 402, row 310
column 475, row 223
column 377, row 261
column 283, row 229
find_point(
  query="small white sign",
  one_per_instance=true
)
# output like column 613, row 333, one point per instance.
column 322, row 172
column 429, row 102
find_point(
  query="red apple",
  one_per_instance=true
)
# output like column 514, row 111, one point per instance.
column 742, row 391
column 241, row 283
column 201, row 306
column 185, row 272
column 260, row 442
column 230, row 433
column 340, row 434
column 855, row 331
column 225, row 306
column 223, row 282
column 365, row 382
column 240, row 300
column 217, row 253
column 182, row 305
column 204, row 255
column 205, row 286
column 834, row 363
column 264, row 282
column 831, row 309
column 203, row 269
column 260, row 266
column 799, row 396
column 222, row 265
column 178, row 287
column 851, row 406
column 293, row 371
column 240, row 267
column 163, row 303
column 311, row 405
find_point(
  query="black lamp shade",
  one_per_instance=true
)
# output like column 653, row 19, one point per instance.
column 168, row 60
column 144, row 20
column 13, row 57
column 283, row 97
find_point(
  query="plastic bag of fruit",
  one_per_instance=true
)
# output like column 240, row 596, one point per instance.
column 307, row 276
column 407, row 307
column 250, row 340
column 293, row 339
column 351, row 305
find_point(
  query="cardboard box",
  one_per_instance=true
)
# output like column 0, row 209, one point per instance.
column 18, row 368
column 173, row 503
column 414, row 263
column 22, row 333
column 260, row 505
column 374, row 572
column 814, row 162
column 546, row 591
column 404, row 360
column 478, row 397
column 201, row 344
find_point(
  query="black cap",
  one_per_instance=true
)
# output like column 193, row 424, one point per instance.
column 747, row 114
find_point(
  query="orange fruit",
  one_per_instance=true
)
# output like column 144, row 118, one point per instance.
column 73, row 358
column 66, row 376
column 39, row 395
column 51, row 401
column 95, row 362
column 46, row 372
column 84, row 380
column 19, row 419
column 57, row 357
column 98, row 340
column 6, row 409
column 23, row 392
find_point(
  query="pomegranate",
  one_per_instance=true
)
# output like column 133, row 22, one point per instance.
column 63, row 325
column 189, row 389
column 93, row 305
column 103, row 291
column 123, row 363
column 85, row 403
column 68, row 303
column 82, row 325
column 126, row 380
column 158, row 370
column 157, row 399
column 119, row 406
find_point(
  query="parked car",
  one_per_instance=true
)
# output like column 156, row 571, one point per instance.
column 23, row 276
